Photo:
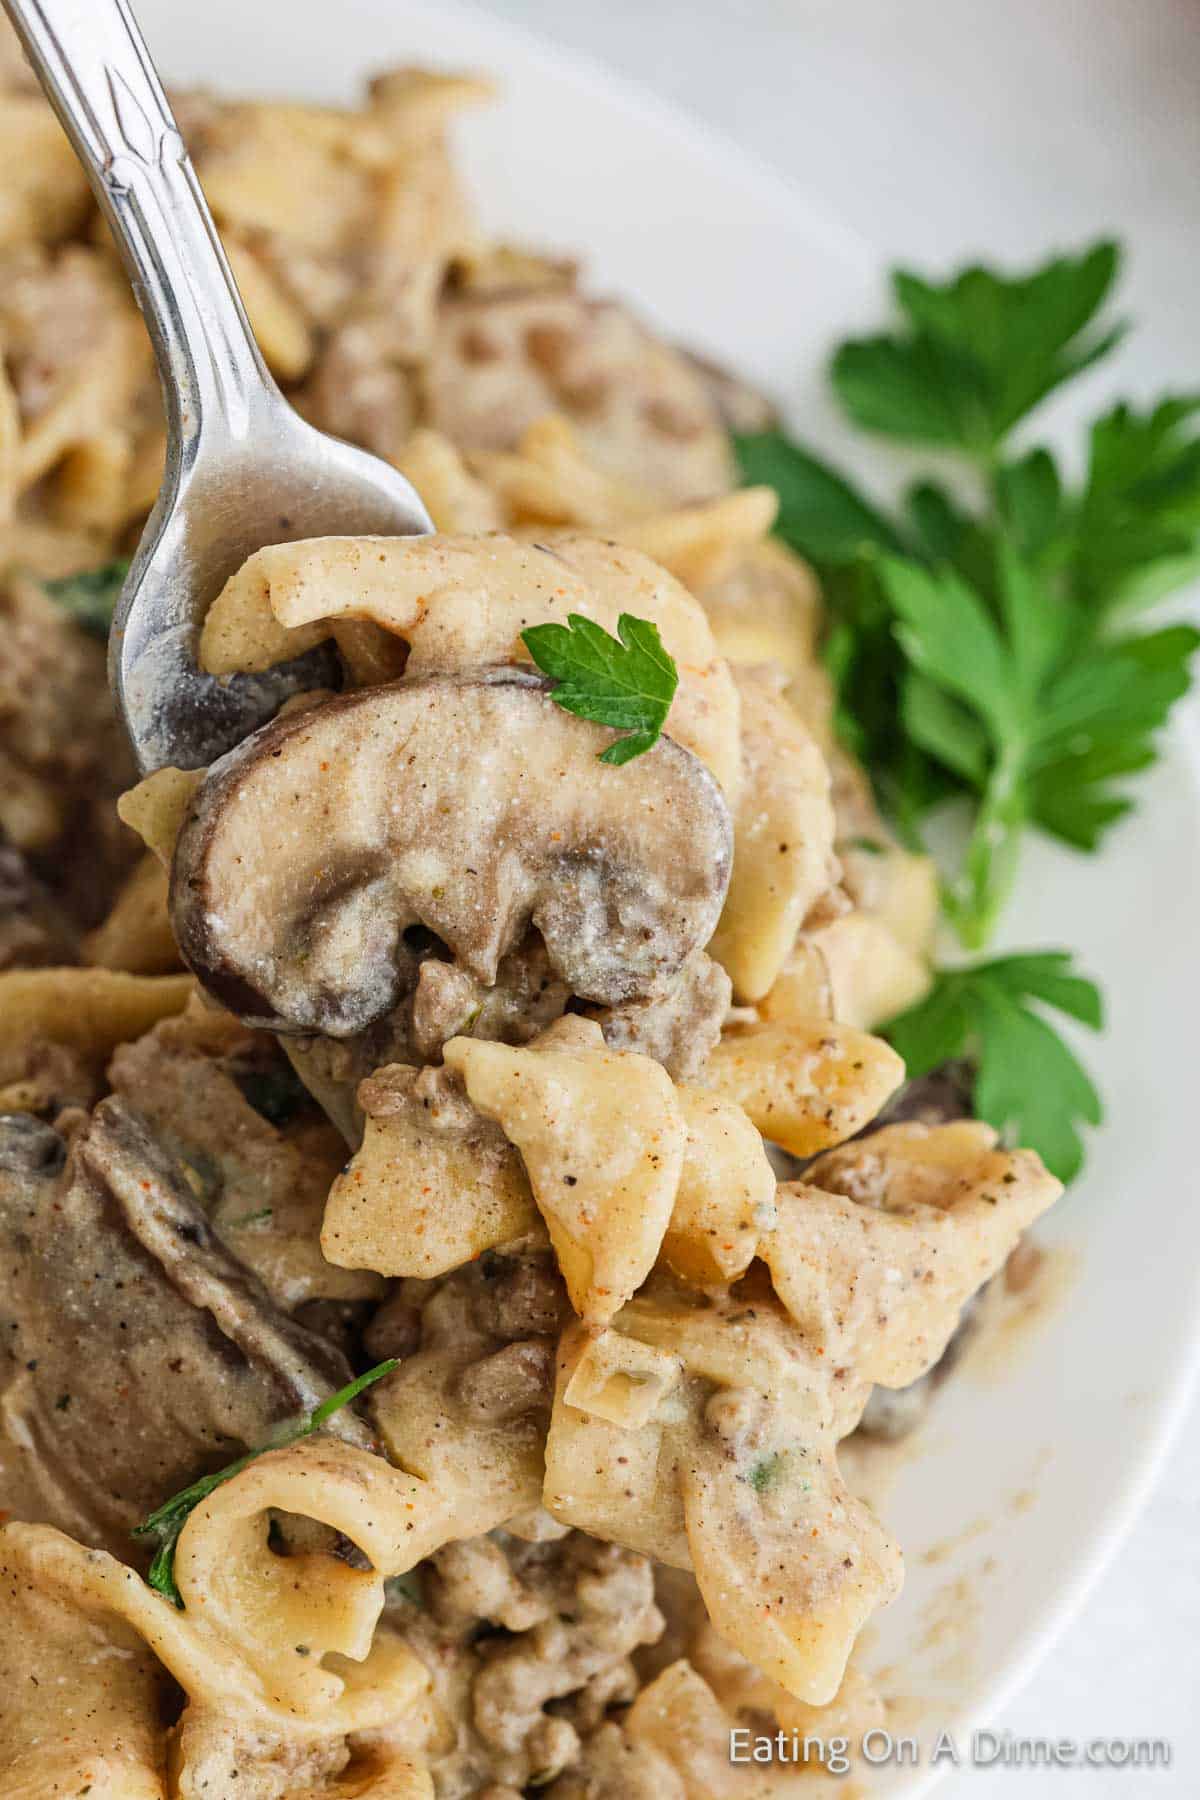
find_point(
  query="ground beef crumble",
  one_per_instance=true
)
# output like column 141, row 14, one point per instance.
column 529, row 1642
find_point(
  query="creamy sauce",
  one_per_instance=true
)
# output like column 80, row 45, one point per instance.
column 1009, row 1324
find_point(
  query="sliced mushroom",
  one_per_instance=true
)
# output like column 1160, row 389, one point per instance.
column 256, row 1153
column 474, row 808
column 148, row 1355
column 460, row 604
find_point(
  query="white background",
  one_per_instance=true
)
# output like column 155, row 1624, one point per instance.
column 1022, row 124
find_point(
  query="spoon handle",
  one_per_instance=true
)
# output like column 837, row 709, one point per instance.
column 92, row 61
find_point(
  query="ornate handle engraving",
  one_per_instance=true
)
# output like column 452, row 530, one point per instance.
column 151, row 146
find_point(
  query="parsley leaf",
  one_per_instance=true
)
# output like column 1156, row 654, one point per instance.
column 1011, row 688
column 627, row 682
column 91, row 596
column 977, row 353
column 1137, row 530
column 167, row 1521
column 949, row 635
column 1028, row 1083
column 1018, row 702
column 250, row 1218
column 980, row 650
column 1100, row 718
column 766, row 1472
column 1030, row 502
column 820, row 513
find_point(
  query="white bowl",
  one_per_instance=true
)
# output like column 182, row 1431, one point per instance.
column 1032, row 1467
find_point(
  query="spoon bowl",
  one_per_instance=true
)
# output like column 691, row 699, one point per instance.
column 242, row 468
column 285, row 481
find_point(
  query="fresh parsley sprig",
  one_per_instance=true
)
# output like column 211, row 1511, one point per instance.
column 1030, row 711
column 974, row 355
column 1133, row 533
column 1027, row 1082
column 983, row 652
column 627, row 682
column 1038, row 614
column 167, row 1521
column 1020, row 684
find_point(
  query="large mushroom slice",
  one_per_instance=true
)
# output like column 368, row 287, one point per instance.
column 143, row 1353
column 473, row 808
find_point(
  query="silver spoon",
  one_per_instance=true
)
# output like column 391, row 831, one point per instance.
column 242, row 469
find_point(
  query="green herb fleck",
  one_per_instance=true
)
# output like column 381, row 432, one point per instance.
column 408, row 1587
column 626, row 682
column 766, row 1473
column 251, row 1218
column 91, row 596
column 166, row 1523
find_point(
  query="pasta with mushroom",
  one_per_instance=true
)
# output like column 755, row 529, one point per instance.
column 417, row 1382
column 461, row 604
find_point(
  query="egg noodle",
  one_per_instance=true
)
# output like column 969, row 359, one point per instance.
column 547, row 1078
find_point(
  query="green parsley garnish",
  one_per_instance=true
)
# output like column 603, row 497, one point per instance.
column 627, row 682
column 250, row 1218
column 764, row 1473
column 973, row 355
column 1022, row 703
column 408, row 1587
column 91, row 596
column 986, row 659
column 1028, row 1083
column 166, row 1523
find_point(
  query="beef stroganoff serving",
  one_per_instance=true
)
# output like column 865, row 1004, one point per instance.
column 453, row 1200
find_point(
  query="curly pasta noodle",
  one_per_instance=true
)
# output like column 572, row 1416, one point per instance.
column 570, row 1019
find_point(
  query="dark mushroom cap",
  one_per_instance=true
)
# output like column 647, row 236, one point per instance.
column 473, row 807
